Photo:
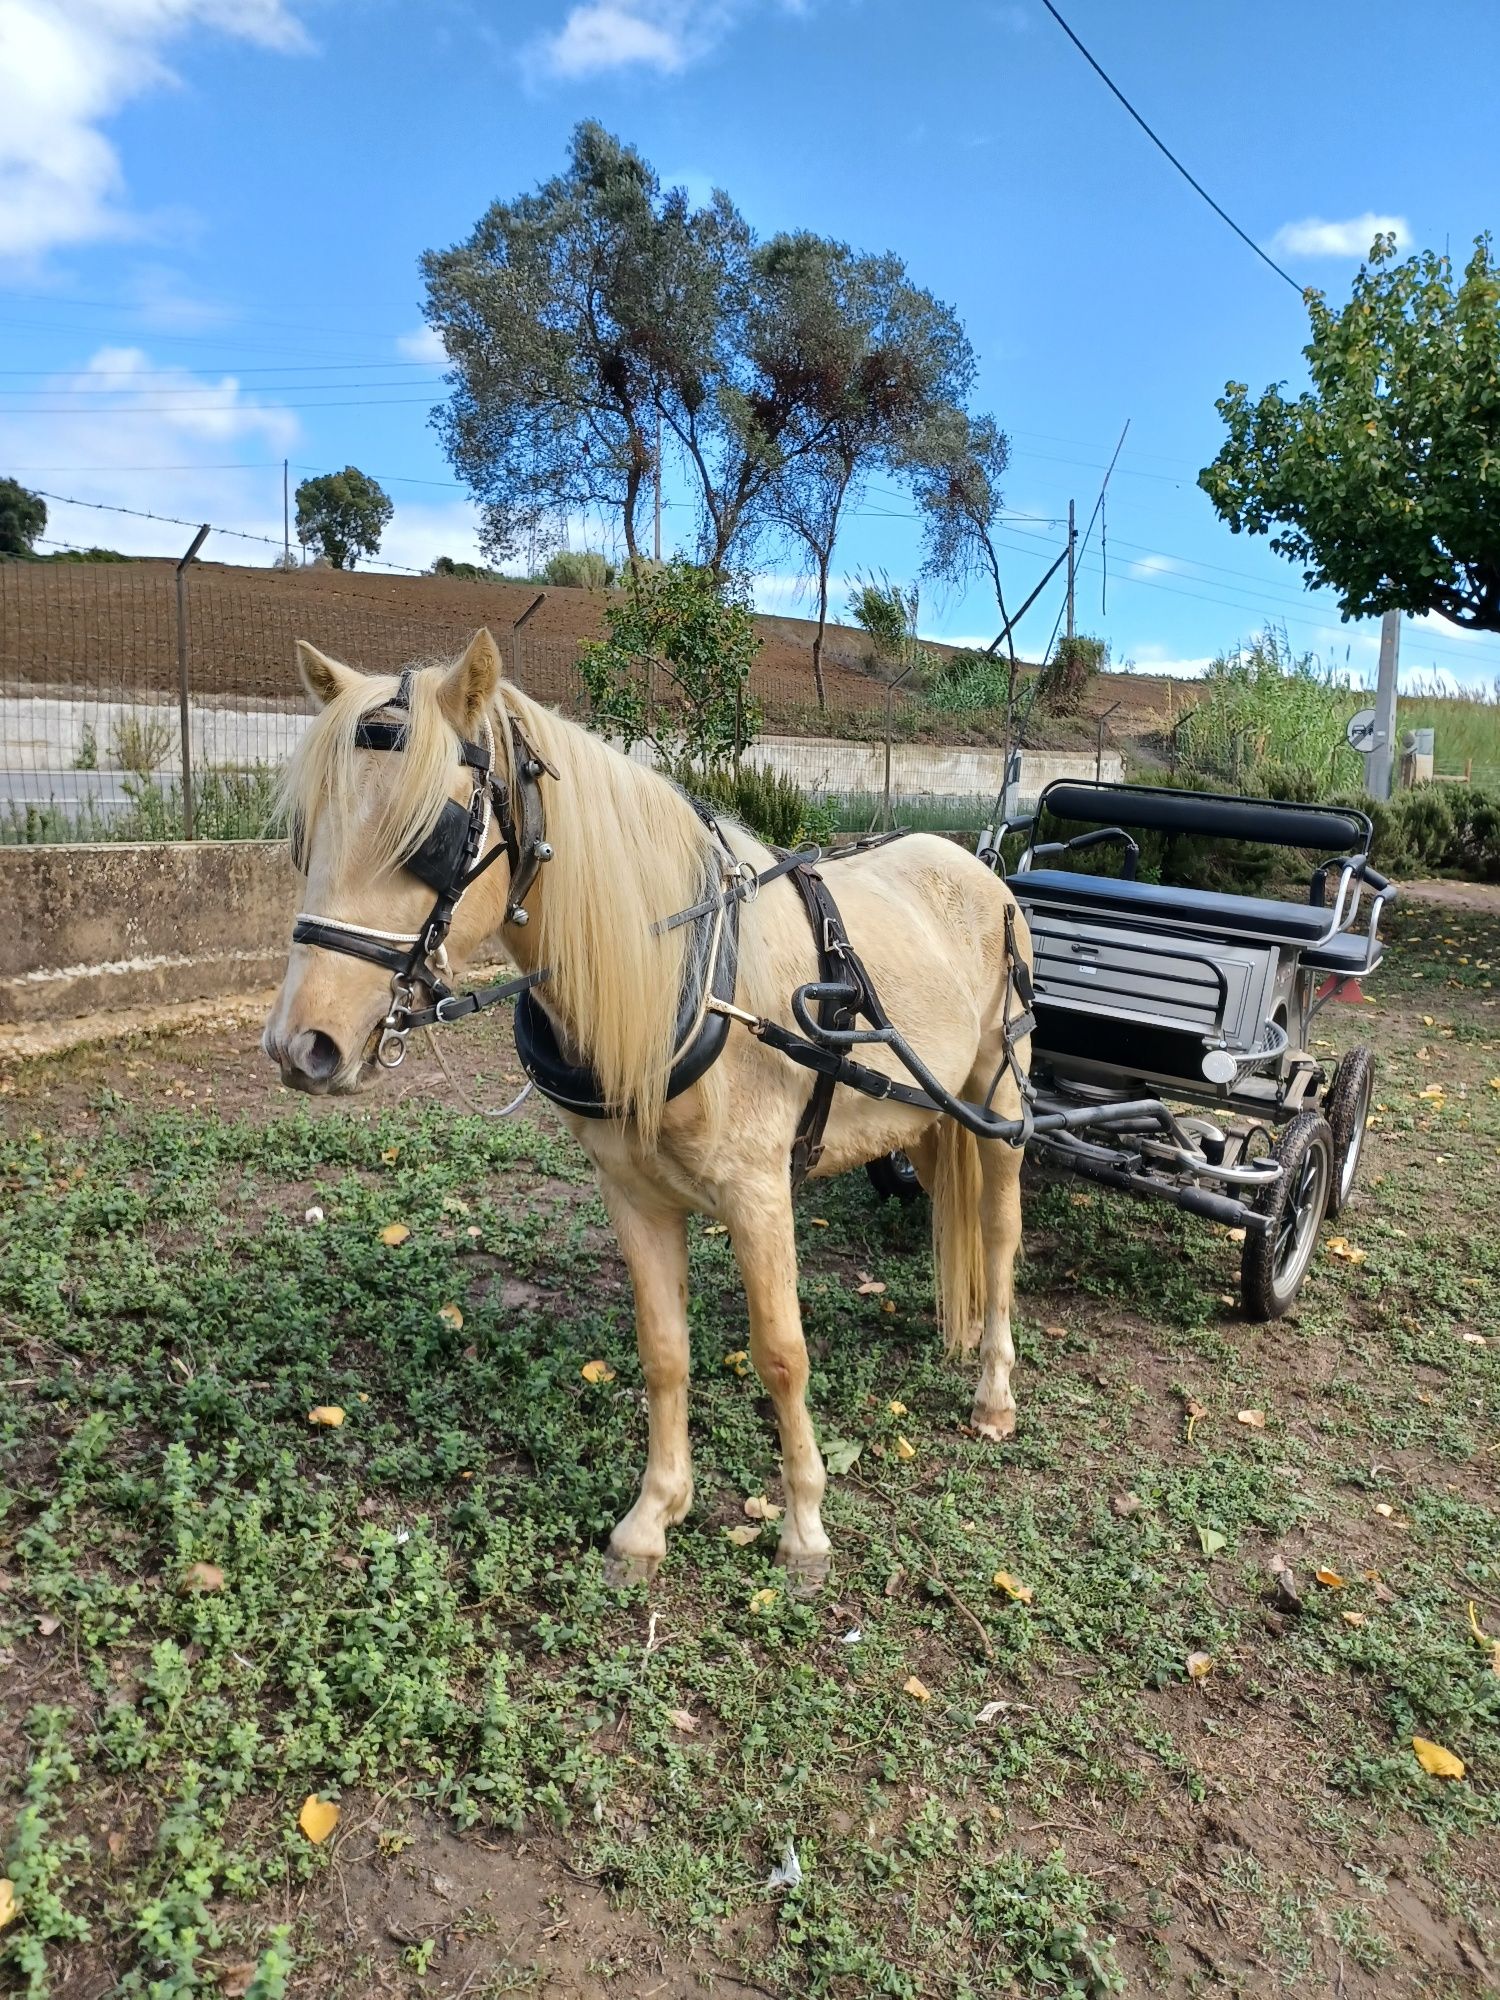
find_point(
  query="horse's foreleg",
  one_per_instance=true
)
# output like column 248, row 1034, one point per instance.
column 654, row 1244
column 766, row 1250
column 994, row 1402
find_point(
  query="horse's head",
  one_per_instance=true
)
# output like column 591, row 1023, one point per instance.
column 367, row 797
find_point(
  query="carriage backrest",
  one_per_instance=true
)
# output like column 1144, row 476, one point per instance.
column 1272, row 822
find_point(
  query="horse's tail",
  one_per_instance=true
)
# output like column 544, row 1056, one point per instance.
column 957, row 1237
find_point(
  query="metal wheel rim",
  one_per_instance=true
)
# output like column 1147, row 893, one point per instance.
column 1297, row 1227
column 1349, row 1165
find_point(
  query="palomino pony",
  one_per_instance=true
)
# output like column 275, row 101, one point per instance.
column 624, row 850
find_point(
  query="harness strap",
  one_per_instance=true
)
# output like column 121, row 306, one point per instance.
column 834, row 1011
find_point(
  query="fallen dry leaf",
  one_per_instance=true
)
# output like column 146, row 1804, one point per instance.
column 763, row 1599
column 236, row 1980
column 7, row 1901
column 897, row 1409
column 203, row 1576
column 1236, row 1235
column 868, row 1287
column 1021, row 1592
column 1210, row 1540
column 916, row 1690
column 990, row 1710
column 759, row 1508
column 317, row 1818
column 389, row 1155
column 818, row 1221
column 394, row 1233
column 1199, row 1666
column 905, row 1450
column 1195, row 1414
column 1434, row 1758
column 680, row 1719
column 716, row 1229
column 1254, row 1420
column 742, row 1537
column 1385, row 1510
column 738, row 1362
column 1329, row 1578
column 1355, row 1618
column 450, row 1315
column 597, row 1371
column 1123, row 1505
column 329, row 1415
column 1055, row 1332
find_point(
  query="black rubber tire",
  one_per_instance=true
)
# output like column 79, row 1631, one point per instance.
column 894, row 1178
column 1276, row 1259
column 1346, row 1107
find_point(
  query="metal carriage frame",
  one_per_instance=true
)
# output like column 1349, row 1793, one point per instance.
column 1171, row 1056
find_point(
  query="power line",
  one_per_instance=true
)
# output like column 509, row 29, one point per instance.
column 1163, row 147
column 227, row 368
column 141, row 514
column 216, row 409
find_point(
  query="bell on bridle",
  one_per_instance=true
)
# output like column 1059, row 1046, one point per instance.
column 448, row 861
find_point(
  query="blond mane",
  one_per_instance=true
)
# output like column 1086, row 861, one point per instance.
column 628, row 850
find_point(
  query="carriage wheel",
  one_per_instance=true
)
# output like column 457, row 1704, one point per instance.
column 1275, row 1259
column 1347, row 1108
column 893, row 1177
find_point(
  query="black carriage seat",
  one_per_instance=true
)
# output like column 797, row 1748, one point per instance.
column 1197, row 909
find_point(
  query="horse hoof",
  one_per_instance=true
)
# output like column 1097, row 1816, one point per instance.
column 621, row 1572
column 997, row 1428
column 806, row 1574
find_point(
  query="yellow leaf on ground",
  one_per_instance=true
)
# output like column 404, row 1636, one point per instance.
column 203, row 1576
column 759, row 1508
column 1434, row 1758
column 1254, row 1420
column 389, row 1155
column 716, row 1229
column 818, row 1221
column 1003, row 1580
column 916, row 1690
column 897, row 1409
column 597, row 1371
column 329, row 1415
column 763, row 1599
column 739, row 1361
column 680, row 1719
column 742, row 1537
column 394, row 1233
column 1199, row 1666
column 1385, row 1510
column 7, row 1901
column 868, row 1287
column 1353, row 1617
column 905, row 1450
column 317, row 1818
column 1329, row 1578
column 451, row 1316
column 1055, row 1332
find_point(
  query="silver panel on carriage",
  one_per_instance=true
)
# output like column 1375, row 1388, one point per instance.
column 1168, row 981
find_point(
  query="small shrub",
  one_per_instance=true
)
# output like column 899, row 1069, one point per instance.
column 768, row 802
column 1066, row 677
column 140, row 741
column 87, row 758
column 968, row 681
column 578, row 569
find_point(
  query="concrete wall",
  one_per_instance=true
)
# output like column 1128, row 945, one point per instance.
column 111, row 926
column 822, row 765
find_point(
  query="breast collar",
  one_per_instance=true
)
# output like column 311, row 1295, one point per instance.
column 448, row 861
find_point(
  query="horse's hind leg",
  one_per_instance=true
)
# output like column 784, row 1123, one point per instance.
column 1000, row 1220
column 766, row 1251
column 654, row 1244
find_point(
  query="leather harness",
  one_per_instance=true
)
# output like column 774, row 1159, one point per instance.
column 453, row 856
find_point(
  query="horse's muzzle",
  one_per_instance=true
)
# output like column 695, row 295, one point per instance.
column 313, row 1062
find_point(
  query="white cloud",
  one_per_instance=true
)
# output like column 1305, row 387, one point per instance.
column 424, row 345
column 422, row 531
column 1155, row 565
column 598, row 37
column 66, row 66
column 1314, row 237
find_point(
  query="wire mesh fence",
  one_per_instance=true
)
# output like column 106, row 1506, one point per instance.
column 146, row 700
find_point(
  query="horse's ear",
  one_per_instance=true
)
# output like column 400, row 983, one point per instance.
column 469, row 684
column 323, row 678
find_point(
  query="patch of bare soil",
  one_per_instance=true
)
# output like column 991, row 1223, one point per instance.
column 1481, row 897
column 425, row 1910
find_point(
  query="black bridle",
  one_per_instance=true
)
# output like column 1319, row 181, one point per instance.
column 448, row 862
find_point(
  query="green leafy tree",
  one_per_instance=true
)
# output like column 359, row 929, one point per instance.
column 23, row 516
column 675, row 667
column 1383, row 479
column 866, row 365
column 603, row 323
column 342, row 515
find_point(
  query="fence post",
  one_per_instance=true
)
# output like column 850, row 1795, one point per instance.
column 184, row 723
column 890, row 696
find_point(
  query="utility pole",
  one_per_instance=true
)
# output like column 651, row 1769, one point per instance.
column 1379, row 760
column 1072, row 566
column 656, row 494
column 286, row 516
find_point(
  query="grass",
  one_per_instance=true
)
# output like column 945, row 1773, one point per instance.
column 412, row 1620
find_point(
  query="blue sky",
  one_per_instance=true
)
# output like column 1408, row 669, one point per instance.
column 211, row 212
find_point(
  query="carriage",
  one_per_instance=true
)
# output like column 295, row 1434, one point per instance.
column 1149, row 998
